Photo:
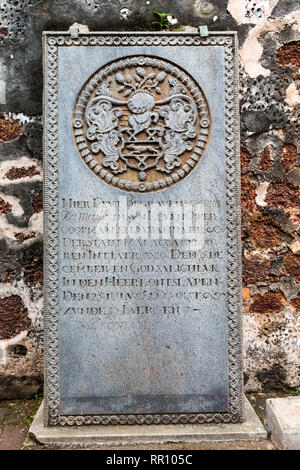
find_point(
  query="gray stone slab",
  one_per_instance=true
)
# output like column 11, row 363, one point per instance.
column 92, row 436
column 142, row 325
column 283, row 422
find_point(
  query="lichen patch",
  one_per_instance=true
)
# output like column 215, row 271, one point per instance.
column 9, row 129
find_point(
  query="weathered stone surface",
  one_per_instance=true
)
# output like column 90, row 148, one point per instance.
column 17, row 173
column 289, row 157
column 9, row 129
column 265, row 162
column 283, row 195
column 256, row 268
column 5, row 207
column 269, row 302
column 283, row 422
column 136, row 309
column 289, row 54
column 13, row 316
column 261, row 231
column 292, row 265
column 296, row 303
column 37, row 202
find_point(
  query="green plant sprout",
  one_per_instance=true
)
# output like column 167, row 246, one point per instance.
column 163, row 19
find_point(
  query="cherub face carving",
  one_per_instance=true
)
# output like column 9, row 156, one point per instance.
column 141, row 124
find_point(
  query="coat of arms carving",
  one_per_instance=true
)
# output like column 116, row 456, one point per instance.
column 141, row 123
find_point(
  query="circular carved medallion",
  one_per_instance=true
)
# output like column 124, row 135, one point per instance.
column 141, row 123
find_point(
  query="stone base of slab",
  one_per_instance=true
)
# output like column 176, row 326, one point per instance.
column 283, row 422
column 101, row 436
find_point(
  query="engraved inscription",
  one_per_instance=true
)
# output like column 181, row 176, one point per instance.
column 115, row 281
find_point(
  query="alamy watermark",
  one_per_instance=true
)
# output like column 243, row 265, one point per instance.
column 119, row 220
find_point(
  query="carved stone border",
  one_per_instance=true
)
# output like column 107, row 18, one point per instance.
column 51, row 42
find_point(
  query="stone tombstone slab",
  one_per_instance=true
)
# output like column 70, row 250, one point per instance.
column 142, row 229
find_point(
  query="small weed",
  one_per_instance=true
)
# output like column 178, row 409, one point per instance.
column 162, row 18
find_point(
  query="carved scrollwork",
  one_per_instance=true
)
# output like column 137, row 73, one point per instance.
column 141, row 123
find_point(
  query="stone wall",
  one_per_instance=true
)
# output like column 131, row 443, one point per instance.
column 269, row 37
